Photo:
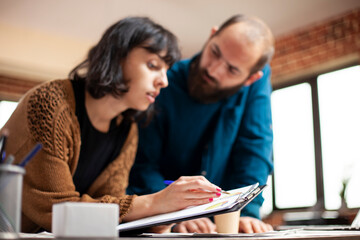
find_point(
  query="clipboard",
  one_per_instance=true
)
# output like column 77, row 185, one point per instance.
column 236, row 200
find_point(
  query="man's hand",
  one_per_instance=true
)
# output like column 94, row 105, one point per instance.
column 160, row 229
column 200, row 225
column 253, row 225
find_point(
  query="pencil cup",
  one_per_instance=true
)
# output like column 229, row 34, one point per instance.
column 11, row 181
column 227, row 222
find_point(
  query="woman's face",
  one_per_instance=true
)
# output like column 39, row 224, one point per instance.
column 146, row 75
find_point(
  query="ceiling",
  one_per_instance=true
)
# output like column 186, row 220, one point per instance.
column 45, row 39
column 190, row 20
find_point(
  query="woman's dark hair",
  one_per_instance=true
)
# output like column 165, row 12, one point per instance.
column 101, row 70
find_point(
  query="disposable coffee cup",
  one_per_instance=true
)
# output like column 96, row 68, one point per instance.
column 227, row 222
column 11, row 182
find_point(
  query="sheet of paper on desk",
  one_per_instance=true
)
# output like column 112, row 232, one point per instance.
column 225, row 201
column 283, row 234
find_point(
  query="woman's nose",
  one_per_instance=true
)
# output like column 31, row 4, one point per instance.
column 162, row 79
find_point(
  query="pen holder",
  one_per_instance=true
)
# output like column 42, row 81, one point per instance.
column 11, row 181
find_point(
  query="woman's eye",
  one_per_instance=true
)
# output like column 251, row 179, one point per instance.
column 152, row 65
column 214, row 52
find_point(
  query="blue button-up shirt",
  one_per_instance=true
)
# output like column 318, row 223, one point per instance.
column 229, row 142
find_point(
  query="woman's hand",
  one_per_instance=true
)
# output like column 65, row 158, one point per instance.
column 185, row 192
column 182, row 193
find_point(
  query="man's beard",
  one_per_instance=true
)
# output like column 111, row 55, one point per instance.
column 201, row 90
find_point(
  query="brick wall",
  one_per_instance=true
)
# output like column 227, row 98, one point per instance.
column 323, row 45
column 13, row 89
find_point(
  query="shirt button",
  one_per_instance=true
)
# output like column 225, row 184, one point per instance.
column 203, row 173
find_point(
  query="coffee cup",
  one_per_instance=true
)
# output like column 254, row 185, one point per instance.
column 227, row 222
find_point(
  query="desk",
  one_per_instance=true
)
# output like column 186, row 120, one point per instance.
column 298, row 235
column 247, row 238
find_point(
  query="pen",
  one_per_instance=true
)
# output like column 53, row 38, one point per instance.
column 168, row 182
column 3, row 143
column 31, row 154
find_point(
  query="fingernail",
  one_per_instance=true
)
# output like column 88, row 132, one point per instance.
column 211, row 199
column 218, row 189
column 218, row 194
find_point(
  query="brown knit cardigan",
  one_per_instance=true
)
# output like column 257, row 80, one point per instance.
column 46, row 114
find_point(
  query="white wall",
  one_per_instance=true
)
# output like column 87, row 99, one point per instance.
column 38, row 55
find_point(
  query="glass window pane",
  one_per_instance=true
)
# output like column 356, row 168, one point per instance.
column 294, row 157
column 6, row 109
column 339, row 101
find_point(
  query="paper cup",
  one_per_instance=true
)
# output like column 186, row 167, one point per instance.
column 228, row 222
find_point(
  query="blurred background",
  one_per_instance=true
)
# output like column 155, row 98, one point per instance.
column 315, row 77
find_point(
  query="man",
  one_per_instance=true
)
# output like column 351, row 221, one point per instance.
column 214, row 119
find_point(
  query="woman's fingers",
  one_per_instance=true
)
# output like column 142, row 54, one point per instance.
column 195, row 189
column 185, row 192
column 197, row 184
column 201, row 195
column 194, row 202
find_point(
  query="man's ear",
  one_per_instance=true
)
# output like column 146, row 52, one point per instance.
column 214, row 29
column 253, row 78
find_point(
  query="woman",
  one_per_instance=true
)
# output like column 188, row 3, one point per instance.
column 88, row 130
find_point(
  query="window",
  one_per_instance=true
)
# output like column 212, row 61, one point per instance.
column 339, row 101
column 6, row 109
column 292, row 125
column 316, row 126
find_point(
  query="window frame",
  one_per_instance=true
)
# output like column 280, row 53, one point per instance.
column 312, row 81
